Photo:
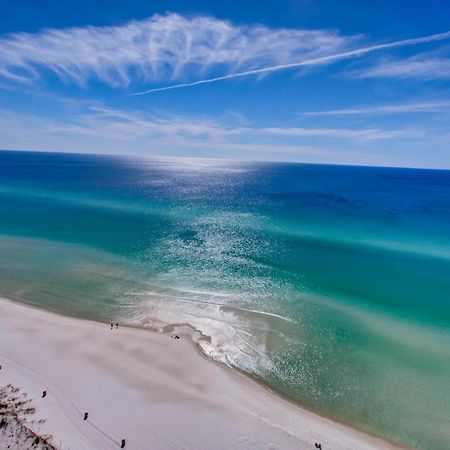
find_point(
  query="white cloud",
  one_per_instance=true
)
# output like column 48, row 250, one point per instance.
column 94, row 128
column 101, row 129
column 400, row 108
column 109, row 123
column 125, row 125
column 418, row 67
column 320, row 60
column 106, row 130
column 169, row 47
column 365, row 134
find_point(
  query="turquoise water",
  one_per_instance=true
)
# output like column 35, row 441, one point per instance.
column 331, row 284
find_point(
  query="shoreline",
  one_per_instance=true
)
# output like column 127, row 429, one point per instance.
column 154, row 391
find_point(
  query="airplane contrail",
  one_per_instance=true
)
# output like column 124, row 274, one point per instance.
column 308, row 62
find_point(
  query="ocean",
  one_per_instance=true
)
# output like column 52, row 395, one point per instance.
column 329, row 284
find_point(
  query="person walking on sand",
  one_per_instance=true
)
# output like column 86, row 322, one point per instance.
column 122, row 445
column 112, row 326
column 117, row 326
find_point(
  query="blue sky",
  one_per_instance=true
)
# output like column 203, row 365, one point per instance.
column 326, row 81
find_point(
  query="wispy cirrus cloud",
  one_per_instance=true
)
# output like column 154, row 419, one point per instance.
column 400, row 108
column 419, row 67
column 160, row 48
column 119, row 124
column 173, row 48
column 94, row 126
column 112, row 123
column 361, row 134
column 101, row 126
column 316, row 61
column 123, row 132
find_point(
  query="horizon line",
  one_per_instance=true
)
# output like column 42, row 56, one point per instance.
column 67, row 152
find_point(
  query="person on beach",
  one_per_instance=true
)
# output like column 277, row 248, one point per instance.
column 117, row 326
column 122, row 444
column 44, row 394
column 112, row 326
column 85, row 416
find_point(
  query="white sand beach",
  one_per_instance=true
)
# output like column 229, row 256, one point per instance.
column 155, row 391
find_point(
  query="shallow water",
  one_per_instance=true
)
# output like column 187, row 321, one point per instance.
column 329, row 283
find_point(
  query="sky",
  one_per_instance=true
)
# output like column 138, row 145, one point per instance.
column 321, row 81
